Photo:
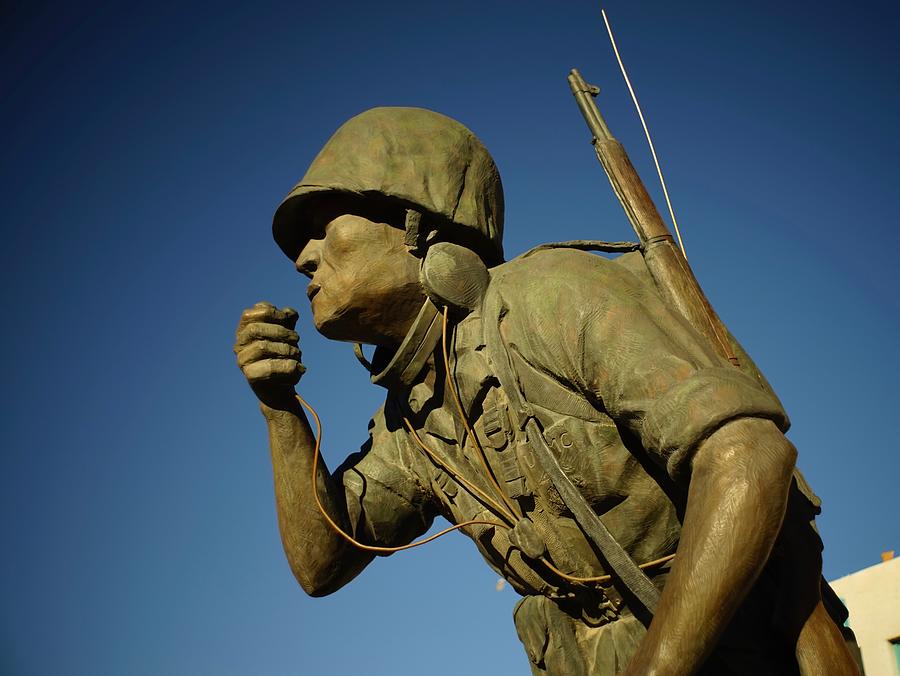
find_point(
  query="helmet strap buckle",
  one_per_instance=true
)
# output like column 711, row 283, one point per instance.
column 416, row 233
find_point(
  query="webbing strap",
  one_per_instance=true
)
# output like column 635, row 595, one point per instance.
column 620, row 563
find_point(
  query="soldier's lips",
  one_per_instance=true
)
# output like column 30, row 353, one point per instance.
column 312, row 290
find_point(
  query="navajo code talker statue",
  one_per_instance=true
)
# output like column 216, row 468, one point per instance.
column 629, row 481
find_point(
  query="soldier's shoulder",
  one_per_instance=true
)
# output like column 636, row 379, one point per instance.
column 547, row 272
column 550, row 263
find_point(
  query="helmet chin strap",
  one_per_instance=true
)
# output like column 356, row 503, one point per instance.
column 400, row 367
column 415, row 240
column 416, row 234
column 405, row 363
column 361, row 358
column 451, row 276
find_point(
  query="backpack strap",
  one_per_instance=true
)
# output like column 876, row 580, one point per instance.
column 620, row 563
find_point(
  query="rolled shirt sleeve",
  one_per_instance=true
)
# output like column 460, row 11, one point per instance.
column 694, row 408
column 388, row 504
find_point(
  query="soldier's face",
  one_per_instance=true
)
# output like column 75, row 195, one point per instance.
column 364, row 284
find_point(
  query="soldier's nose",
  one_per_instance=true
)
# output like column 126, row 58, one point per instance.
column 308, row 260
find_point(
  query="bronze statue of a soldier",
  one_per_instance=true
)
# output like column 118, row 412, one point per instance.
column 522, row 395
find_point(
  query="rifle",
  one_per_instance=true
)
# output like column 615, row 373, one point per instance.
column 667, row 265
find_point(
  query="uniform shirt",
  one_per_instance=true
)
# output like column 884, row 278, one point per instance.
column 624, row 389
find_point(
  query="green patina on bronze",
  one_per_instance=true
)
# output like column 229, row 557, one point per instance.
column 666, row 443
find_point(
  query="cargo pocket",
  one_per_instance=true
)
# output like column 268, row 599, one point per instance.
column 549, row 638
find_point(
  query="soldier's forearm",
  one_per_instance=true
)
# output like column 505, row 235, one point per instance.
column 321, row 561
column 736, row 503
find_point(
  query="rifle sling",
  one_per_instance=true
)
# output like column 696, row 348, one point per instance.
column 620, row 563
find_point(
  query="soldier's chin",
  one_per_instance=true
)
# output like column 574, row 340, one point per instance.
column 335, row 325
column 325, row 324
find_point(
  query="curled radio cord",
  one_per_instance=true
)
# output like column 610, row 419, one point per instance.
column 346, row 536
column 473, row 438
column 506, row 511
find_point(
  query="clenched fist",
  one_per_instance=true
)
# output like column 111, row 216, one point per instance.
column 267, row 351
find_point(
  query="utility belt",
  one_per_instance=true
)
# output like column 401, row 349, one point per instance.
column 600, row 605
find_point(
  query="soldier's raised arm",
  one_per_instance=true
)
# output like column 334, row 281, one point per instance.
column 370, row 496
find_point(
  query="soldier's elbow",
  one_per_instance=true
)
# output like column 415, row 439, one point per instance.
column 317, row 590
column 328, row 572
column 315, row 583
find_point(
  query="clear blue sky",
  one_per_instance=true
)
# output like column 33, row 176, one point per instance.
column 145, row 149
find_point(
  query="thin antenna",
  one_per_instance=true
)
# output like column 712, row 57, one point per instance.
column 646, row 131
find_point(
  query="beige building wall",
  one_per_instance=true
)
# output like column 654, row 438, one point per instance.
column 873, row 597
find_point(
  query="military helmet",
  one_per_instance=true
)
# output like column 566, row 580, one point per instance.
column 415, row 158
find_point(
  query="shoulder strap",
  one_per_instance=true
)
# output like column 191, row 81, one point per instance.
column 620, row 563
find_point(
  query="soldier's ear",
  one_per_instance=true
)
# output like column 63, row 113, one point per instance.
column 453, row 276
